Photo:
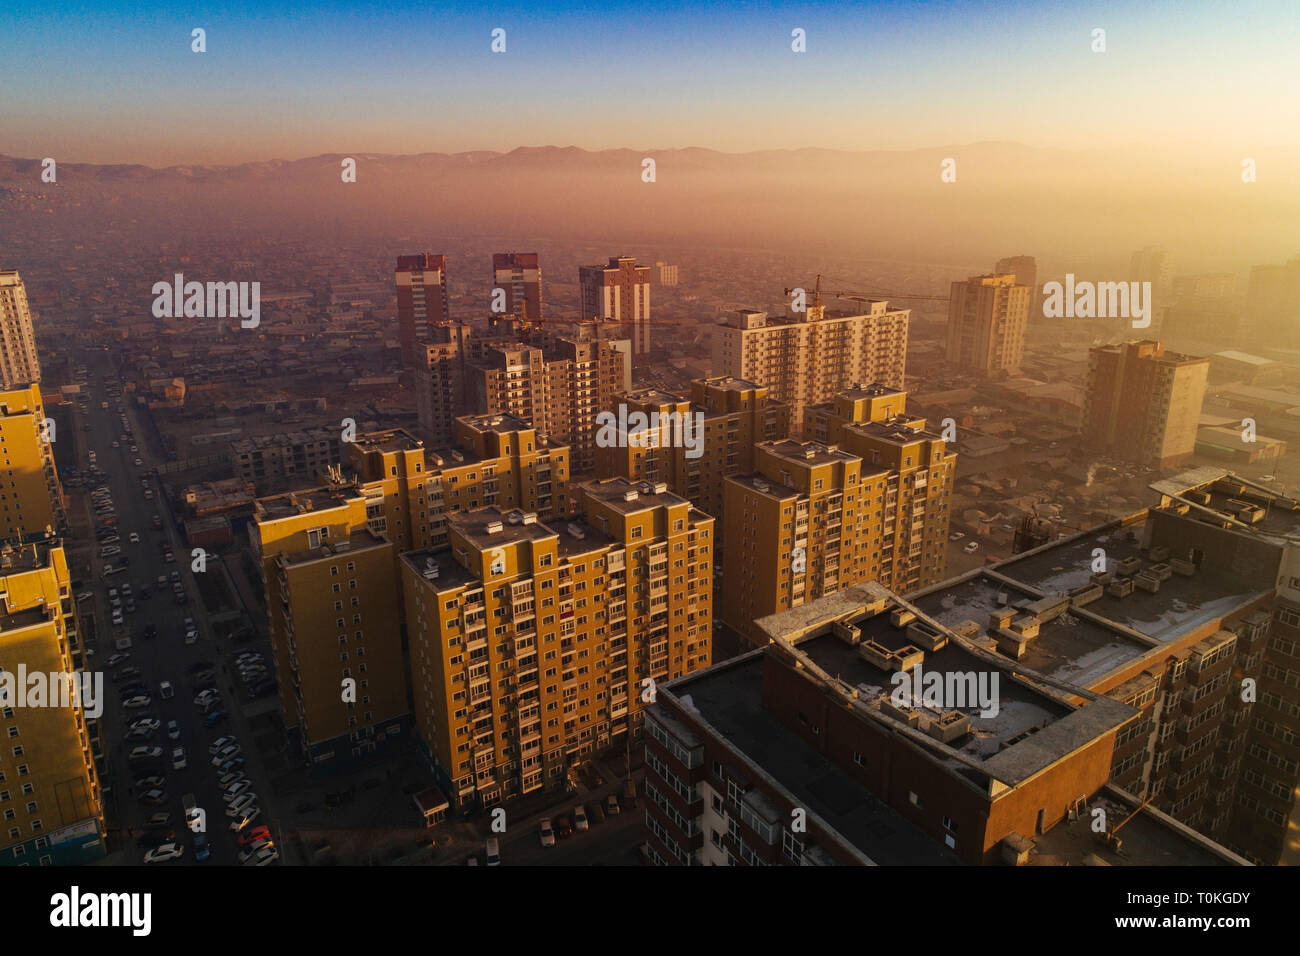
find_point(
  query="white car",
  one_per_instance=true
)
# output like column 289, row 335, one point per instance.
column 144, row 752
column 135, row 703
column 580, row 818
column 117, row 618
column 164, row 853
column 133, row 538
column 178, row 759
column 165, row 690
column 220, row 744
column 546, row 832
column 972, row 547
column 173, row 729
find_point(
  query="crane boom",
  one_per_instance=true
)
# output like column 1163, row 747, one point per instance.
column 864, row 296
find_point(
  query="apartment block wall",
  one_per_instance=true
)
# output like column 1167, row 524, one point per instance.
column 987, row 316
column 806, row 362
column 530, row 644
column 32, row 499
column 52, row 802
column 341, row 622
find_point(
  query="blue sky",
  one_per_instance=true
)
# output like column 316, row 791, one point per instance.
column 117, row 82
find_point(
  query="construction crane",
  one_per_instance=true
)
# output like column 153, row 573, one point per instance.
column 864, row 296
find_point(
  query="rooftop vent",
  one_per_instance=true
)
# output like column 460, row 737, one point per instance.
column 577, row 531
column 495, row 527
column 430, row 571
column 530, row 517
column 515, row 517
column 630, row 496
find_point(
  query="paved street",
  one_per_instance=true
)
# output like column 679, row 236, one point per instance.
column 166, row 657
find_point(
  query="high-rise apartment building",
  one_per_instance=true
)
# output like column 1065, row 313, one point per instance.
column 667, row 273
column 49, row 783
column 1024, row 268
column 322, row 553
column 814, row 518
column 809, row 360
column 1273, row 301
column 533, row 645
column 33, row 499
column 18, row 363
column 557, row 387
column 735, row 415
column 421, row 301
column 620, row 292
column 519, row 274
column 986, row 323
column 1155, row 265
column 1144, row 403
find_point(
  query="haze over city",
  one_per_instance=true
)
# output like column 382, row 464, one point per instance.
column 567, row 435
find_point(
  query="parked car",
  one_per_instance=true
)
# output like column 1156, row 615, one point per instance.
column 236, row 790
column 264, row 857
column 563, row 827
column 144, row 753
column 546, row 833
column 241, row 804
column 580, row 818
column 134, row 703
column 178, row 759
column 156, row 838
column 173, row 730
column 165, row 690
column 154, row 797
column 256, row 835
column 492, row 854
column 250, row 816
column 611, row 806
column 164, row 853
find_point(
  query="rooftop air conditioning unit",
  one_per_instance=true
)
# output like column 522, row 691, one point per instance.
column 495, row 527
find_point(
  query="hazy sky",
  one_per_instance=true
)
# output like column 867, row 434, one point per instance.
column 117, row 82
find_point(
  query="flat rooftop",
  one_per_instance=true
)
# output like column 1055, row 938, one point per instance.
column 615, row 492
column 900, row 430
column 805, row 452
column 389, row 440
column 291, row 503
column 1149, row 838
column 1070, row 648
column 729, row 697
column 359, row 540
column 474, row 527
column 1275, row 515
